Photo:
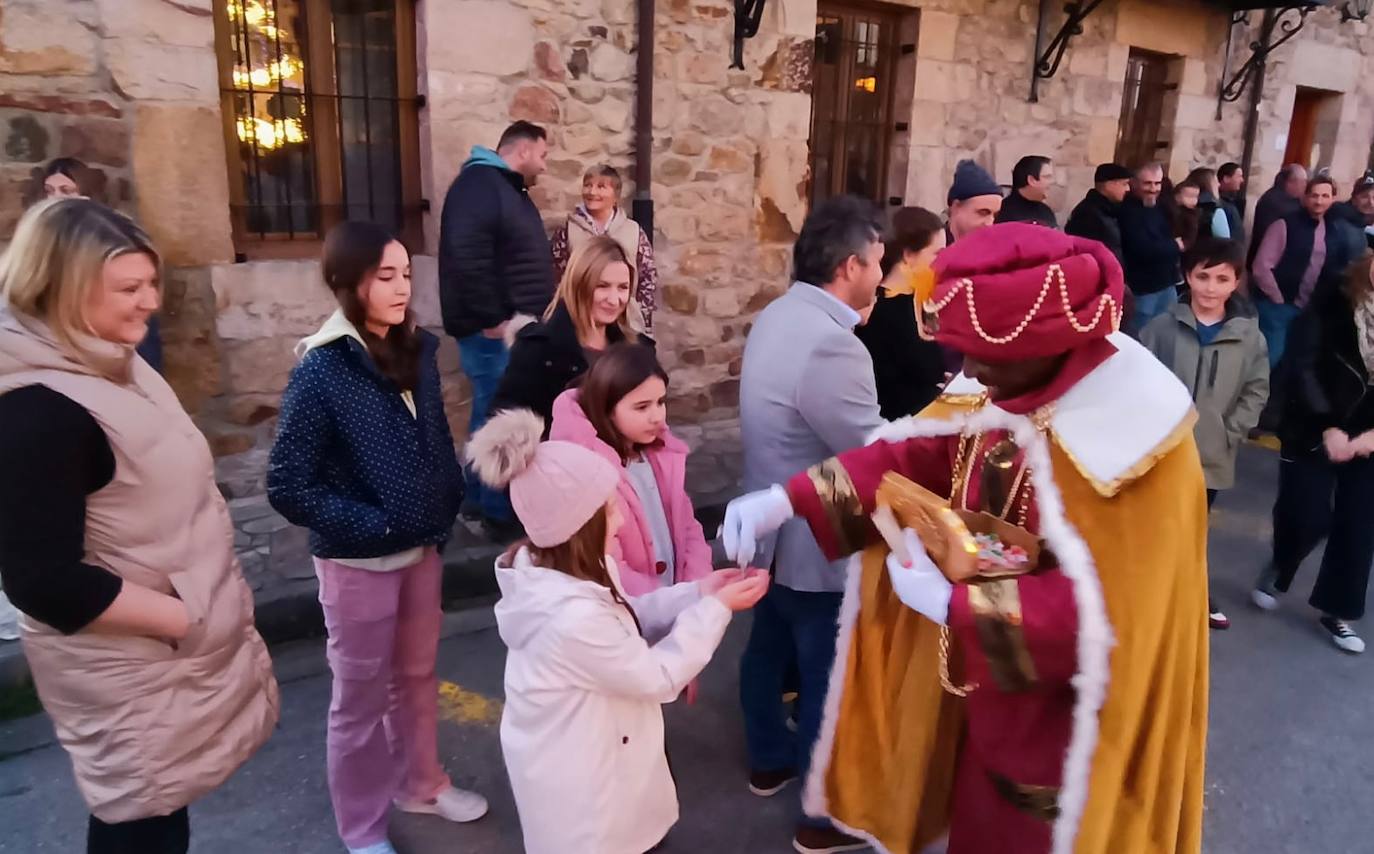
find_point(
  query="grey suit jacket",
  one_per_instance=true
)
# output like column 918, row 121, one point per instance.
column 806, row 394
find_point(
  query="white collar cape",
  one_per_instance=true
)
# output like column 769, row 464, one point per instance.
column 1114, row 424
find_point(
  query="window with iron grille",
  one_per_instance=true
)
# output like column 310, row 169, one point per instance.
column 320, row 113
column 851, row 103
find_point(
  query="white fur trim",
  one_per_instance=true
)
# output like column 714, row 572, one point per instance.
column 1109, row 421
column 1094, row 641
column 814, row 800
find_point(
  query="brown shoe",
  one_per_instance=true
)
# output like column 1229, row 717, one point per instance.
column 825, row 840
column 766, row 784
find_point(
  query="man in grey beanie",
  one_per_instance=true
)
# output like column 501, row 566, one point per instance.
column 974, row 200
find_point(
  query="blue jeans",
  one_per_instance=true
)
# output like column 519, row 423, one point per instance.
column 1274, row 320
column 1150, row 306
column 484, row 361
column 150, row 348
column 791, row 628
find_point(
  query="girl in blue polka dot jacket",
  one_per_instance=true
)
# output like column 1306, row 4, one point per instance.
column 365, row 460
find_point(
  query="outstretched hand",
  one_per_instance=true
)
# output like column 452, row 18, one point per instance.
column 711, row 584
column 745, row 592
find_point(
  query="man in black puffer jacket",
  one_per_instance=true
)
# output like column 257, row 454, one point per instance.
column 494, row 263
column 1150, row 253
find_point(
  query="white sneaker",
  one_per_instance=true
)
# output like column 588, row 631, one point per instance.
column 379, row 848
column 1342, row 635
column 452, row 804
column 1264, row 601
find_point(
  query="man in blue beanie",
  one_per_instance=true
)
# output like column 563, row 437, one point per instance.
column 974, row 200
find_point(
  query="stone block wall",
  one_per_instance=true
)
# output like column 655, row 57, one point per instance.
column 968, row 98
column 730, row 159
column 1335, row 57
column 973, row 71
column 131, row 87
column 57, row 97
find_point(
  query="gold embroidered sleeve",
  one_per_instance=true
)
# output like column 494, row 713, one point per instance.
column 996, row 607
column 844, row 512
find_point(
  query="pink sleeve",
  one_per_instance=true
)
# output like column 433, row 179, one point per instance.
column 689, row 536
column 1270, row 251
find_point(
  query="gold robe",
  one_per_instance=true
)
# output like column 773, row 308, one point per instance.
column 1132, row 530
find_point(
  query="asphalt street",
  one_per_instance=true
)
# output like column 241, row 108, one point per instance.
column 1291, row 758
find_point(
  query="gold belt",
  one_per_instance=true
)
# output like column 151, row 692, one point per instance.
column 1040, row 802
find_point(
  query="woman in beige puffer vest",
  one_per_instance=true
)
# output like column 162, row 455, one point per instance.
column 115, row 543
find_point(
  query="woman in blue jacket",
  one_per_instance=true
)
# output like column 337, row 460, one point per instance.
column 365, row 460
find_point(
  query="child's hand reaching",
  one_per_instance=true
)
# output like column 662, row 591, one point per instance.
column 743, row 592
column 711, row 584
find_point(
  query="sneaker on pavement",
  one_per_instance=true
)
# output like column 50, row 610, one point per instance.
column 825, row 840
column 1266, row 595
column 452, row 804
column 1217, row 620
column 766, row 784
column 379, row 848
column 1342, row 635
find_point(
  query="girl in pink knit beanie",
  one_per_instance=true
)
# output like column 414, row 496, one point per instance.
column 589, row 668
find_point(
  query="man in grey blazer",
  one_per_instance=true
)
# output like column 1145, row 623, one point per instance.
column 807, row 393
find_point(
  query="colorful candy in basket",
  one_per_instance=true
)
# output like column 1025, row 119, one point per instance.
column 963, row 544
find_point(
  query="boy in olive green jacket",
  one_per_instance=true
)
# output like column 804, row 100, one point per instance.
column 1214, row 346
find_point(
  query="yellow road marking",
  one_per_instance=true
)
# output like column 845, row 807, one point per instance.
column 461, row 706
column 1266, row 441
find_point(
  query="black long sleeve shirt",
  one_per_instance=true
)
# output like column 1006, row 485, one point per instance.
column 52, row 455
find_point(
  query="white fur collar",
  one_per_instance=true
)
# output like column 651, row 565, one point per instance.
column 1114, row 424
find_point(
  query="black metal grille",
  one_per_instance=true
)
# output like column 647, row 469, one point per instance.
column 319, row 132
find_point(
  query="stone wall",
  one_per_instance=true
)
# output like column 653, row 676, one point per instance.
column 730, row 157
column 131, row 86
column 968, row 97
column 1337, row 58
column 973, row 67
column 57, row 97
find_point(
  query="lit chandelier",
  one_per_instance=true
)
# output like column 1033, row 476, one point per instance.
column 272, row 87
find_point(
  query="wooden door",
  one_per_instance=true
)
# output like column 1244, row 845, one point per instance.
column 851, row 104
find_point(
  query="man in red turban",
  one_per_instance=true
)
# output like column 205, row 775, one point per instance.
column 1031, row 676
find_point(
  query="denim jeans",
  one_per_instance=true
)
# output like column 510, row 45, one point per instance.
column 791, row 628
column 150, row 348
column 1150, row 306
column 1274, row 320
column 484, row 361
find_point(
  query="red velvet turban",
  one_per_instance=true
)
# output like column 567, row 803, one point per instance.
column 1022, row 291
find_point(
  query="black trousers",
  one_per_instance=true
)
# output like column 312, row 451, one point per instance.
column 1320, row 499
column 164, row 834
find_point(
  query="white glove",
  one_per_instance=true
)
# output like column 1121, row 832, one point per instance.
column 921, row 586
column 751, row 516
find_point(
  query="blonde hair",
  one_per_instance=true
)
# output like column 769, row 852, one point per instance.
column 59, row 250
column 581, row 280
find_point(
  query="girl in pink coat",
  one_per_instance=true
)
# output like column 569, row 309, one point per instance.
column 618, row 412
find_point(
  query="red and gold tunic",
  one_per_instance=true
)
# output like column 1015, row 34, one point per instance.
column 1047, row 752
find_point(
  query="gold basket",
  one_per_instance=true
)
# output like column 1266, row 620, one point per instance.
column 948, row 534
